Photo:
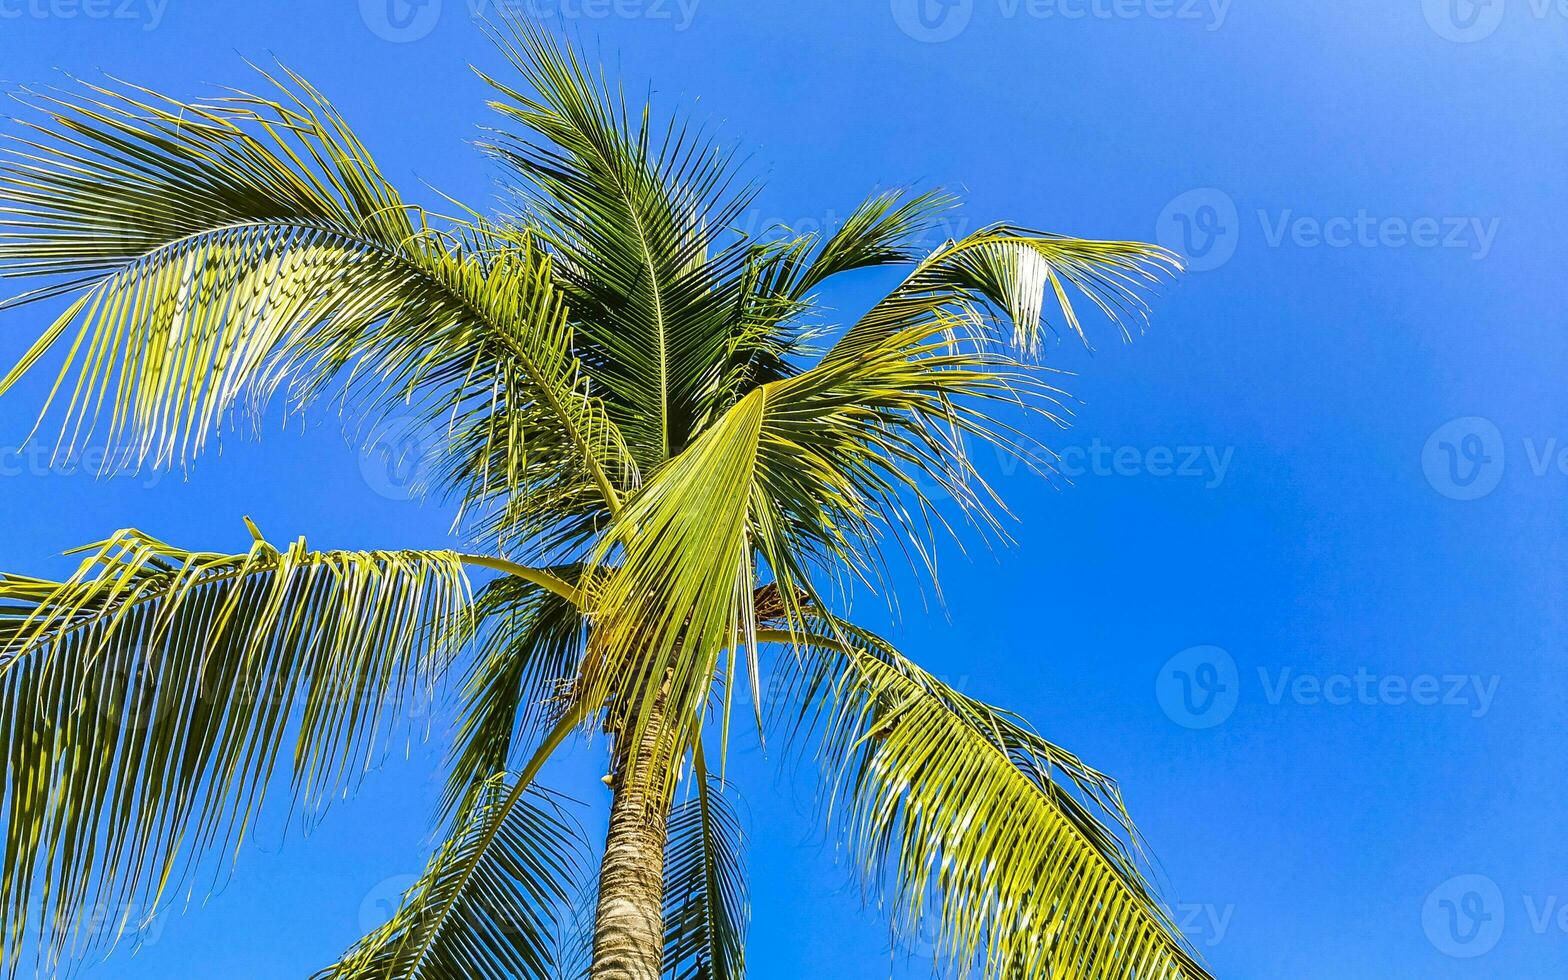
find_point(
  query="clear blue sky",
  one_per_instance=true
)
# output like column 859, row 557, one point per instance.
column 1374, row 193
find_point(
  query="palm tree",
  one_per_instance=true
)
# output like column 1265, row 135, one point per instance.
column 673, row 468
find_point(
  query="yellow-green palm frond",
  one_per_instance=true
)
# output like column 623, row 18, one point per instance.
column 778, row 319
column 529, row 644
column 491, row 904
column 639, row 215
column 146, row 702
column 706, row 900
column 224, row 249
column 805, row 476
column 1005, row 276
column 887, row 228
column 1017, row 856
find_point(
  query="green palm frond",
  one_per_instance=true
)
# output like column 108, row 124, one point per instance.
column 490, row 905
column 146, row 701
column 1020, row 857
column 806, row 474
column 885, row 229
column 706, row 904
column 638, row 215
column 777, row 317
column 224, row 249
column 530, row 641
column 1007, row 275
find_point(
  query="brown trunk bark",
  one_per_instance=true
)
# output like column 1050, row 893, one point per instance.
column 628, row 940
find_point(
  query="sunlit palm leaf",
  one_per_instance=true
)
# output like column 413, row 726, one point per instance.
column 223, row 249
column 705, row 895
column 530, row 641
column 975, row 828
column 146, row 701
column 804, row 475
column 887, row 228
column 490, row 905
column 636, row 213
column 1011, row 275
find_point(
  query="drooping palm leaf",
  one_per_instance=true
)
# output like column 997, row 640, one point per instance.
column 886, row 228
column 706, row 904
column 529, row 643
column 1008, row 274
column 805, row 474
column 490, row 905
column 222, row 249
column 146, row 701
column 1015, row 854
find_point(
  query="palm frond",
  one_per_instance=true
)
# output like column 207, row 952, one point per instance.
column 884, row 229
column 490, row 905
column 1019, row 857
column 805, row 475
column 224, row 249
column 638, row 215
column 706, row 904
column 146, row 701
column 1007, row 275
column 530, row 641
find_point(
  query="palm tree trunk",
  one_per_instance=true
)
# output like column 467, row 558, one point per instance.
column 628, row 940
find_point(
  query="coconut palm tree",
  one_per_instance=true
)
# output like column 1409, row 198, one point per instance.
column 673, row 468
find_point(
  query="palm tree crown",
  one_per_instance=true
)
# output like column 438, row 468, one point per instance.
column 672, row 468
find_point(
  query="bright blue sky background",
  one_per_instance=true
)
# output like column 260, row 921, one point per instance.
column 1302, row 839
